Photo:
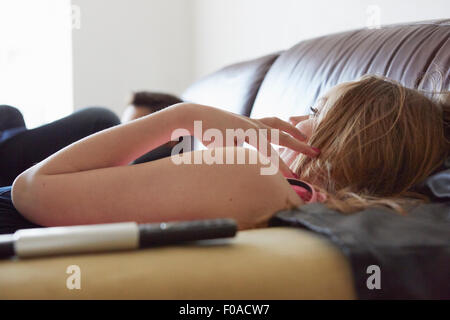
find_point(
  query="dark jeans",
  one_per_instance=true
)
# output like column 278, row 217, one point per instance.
column 21, row 148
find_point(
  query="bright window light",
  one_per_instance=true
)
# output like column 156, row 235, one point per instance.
column 36, row 58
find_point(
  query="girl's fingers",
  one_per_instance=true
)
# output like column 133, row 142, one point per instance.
column 284, row 126
column 272, row 156
column 295, row 120
column 299, row 146
column 289, row 156
column 286, row 140
column 283, row 167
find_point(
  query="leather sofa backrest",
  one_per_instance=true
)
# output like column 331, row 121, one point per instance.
column 288, row 83
column 404, row 52
column 232, row 88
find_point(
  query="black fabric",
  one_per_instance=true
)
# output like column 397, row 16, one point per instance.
column 6, row 246
column 412, row 251
column 157, row 153
column 25, row 148
column 10, row 118
column 10, row 219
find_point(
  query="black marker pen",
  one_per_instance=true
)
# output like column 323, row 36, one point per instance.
column 26, row 243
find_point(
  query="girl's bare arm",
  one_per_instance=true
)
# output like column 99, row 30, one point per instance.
column 89, row 181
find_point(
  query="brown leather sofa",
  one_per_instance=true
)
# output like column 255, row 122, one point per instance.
column 270, row 263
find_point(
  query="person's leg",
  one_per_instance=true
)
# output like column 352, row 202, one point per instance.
column 10, row 118
column 29, row 147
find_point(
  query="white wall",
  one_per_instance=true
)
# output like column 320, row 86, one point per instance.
column 227, row 31
column 126, row 45
column 36, row 58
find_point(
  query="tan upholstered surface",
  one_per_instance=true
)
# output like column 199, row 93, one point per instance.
column 271, row 263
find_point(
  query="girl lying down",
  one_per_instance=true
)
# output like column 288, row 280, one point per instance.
column 366, row 143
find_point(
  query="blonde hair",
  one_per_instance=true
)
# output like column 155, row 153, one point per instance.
column 378, row 141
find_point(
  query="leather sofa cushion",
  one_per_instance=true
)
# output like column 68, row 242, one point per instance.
column 270, row 263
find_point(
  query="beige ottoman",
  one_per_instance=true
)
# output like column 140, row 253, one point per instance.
column 270, row 263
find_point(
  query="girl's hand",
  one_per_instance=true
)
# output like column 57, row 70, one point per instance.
column 289, row 155
column 297, row 119
column 217, row 119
